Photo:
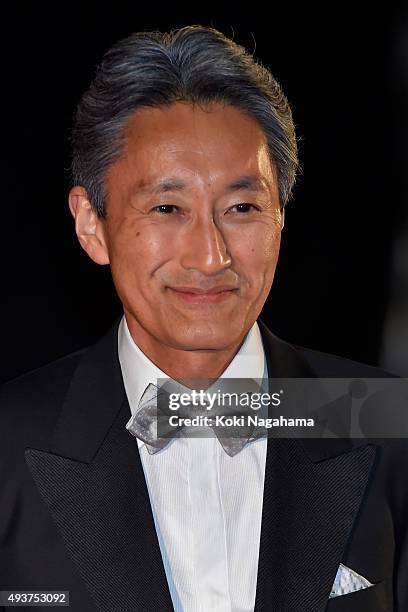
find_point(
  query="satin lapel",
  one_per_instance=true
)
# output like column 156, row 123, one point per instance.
column 312, row 494
column 91, row 478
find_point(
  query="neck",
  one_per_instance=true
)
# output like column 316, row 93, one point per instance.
column 178, row 364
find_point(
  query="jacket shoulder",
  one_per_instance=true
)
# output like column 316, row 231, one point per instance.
column 42, row 379
column 333, row 366
column 30, row 403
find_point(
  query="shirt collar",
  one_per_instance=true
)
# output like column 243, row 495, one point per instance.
column 138, row 370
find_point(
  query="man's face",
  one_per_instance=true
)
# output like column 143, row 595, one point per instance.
column 192, row 209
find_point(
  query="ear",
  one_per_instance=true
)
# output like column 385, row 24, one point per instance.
column 89, row 228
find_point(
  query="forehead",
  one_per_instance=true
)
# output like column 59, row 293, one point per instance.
column 211, row 144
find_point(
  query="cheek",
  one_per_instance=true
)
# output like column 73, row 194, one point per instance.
column 271, row 243
column 257, row 252
column 139, row 253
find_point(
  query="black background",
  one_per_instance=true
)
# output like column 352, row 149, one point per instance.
column 342, row 68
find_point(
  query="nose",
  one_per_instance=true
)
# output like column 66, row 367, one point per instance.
column 204, row 248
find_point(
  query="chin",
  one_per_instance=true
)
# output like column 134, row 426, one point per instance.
column 207, row 338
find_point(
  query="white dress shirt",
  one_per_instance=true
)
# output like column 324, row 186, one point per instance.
column 207, row 506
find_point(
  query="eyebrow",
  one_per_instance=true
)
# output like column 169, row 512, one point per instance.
column 250, row 183
column 247, row 182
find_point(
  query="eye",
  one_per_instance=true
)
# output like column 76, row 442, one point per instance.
column 164, row 208
column 243, row 207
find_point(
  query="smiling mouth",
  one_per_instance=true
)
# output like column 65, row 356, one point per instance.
column 192, row 295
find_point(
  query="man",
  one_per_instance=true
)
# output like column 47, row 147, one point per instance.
column 184, row 157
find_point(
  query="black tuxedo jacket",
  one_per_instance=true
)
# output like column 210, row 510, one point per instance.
column 75, row 513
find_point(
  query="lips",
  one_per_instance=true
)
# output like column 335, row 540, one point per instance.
column 195, row 295
column 199, row 291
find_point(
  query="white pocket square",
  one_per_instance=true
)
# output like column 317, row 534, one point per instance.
column 348, row 581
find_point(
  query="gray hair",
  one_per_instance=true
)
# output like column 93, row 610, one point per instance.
column 193, row 64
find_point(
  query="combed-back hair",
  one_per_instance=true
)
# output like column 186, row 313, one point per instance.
column 194, row 64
